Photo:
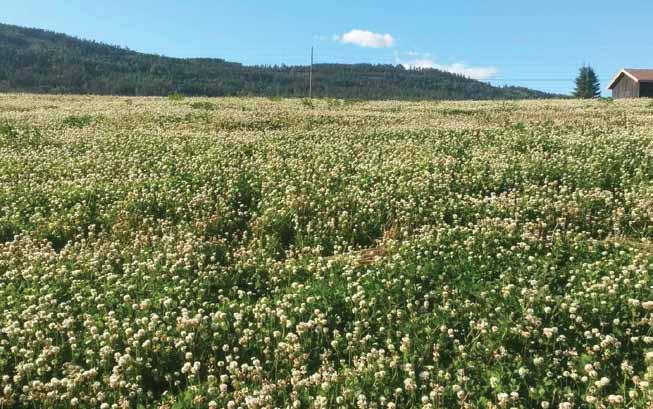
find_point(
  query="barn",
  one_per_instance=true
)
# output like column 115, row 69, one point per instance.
column 632, row 83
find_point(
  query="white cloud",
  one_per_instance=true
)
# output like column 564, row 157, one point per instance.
column 477, row 73
column 365, row 38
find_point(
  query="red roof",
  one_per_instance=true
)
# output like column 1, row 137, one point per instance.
column 638, row 75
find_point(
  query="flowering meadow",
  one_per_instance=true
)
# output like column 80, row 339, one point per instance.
column 266, row 253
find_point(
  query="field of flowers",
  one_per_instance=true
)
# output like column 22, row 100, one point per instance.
column 260, row 253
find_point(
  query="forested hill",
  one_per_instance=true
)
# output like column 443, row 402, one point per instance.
column 33, row 60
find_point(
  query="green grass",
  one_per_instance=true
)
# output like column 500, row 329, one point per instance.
column 273, row 253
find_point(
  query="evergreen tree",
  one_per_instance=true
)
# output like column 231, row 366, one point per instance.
column 587, row 84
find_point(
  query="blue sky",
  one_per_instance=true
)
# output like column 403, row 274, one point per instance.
column 536, row 44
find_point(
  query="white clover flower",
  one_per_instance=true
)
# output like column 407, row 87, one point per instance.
column 409, row 384
column 238, row 238
column 648, row 357
column 550, row 332
column 601, row 383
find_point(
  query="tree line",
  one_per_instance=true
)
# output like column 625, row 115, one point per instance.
column 33, row 60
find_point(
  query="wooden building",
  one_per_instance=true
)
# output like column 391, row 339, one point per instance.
column 632, row 83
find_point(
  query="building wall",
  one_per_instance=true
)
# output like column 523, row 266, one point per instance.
column 626, row 87
column 646, row 89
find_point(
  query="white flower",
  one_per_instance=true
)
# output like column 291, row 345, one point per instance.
column 409, row 384
column 550, row 332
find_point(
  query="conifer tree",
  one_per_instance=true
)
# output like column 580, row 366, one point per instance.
column 587, row 84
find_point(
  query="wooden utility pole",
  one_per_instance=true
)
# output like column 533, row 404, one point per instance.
column 310, row 77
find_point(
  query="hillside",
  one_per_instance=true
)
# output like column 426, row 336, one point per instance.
column 33, row 60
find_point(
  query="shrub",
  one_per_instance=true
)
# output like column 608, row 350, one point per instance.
column 176, row 96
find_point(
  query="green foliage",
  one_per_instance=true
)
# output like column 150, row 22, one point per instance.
column 8, row 130
column 176, row 96
column 308, row 103
column 203, row 105
column 19, row 135
column 407, row 255
column 587, row 84
column 40, row 61
column 78, row 121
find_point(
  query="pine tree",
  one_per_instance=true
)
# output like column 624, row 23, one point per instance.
column 587, row 84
